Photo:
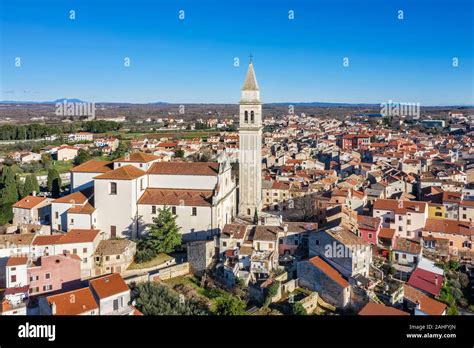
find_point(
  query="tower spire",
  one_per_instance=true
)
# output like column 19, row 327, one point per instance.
column 250, row 83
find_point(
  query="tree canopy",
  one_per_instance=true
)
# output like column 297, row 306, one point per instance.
column 54, row 183
column 153, row 298
column 163, row 236
column 229, row 305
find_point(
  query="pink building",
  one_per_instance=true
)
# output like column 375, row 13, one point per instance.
column 369, row 228
column 55, row 272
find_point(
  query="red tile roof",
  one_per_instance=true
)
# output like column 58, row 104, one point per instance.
column 47, row 240
column 372, row 308
column 387, row 233
column 78, row 236
column 138, row 157
column 128, row 172
column 29, row 202
column 185, row 168
column 176, row 197
column 368, row 222
column 76, row 197
column 426, row 281
column 449, row 226
column 93, row 166
column 109, row 285
column 427, row 304
column 82, row 209
column 73, row 302
column 399, row 207
column 17, row 261
column 407, row 246
column 329, row 271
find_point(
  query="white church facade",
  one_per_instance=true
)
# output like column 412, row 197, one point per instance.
column 121, row 197
column 126, row 199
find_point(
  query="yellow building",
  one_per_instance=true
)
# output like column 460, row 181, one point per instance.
column 436, row 211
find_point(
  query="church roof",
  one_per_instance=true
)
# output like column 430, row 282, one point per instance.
column 250, row 83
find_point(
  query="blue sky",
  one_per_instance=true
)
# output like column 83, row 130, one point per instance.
column 192, row 60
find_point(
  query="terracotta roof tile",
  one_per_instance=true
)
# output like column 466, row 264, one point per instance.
column 399, row 207
column 93, row 166
column 128, row 172
column 185, row 168
column 78, row 236
column 387, row 233
column 176, row 197
column 449, row 226
column 46, row 240
column 138, row 157
column 329, row 271
column 427, row 304
column 17, row 260
column 108, row 285
column 372, row 308
column 407, row 246
column 82, row 209
column 73, row 302
column 77, row 197
column 29, row 202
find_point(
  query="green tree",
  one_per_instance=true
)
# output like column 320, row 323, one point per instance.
column 82, row 156
column 179, row 153
column 270, row 292
column 298, row 309
column 229, row 305
column 31, row 185
column 255, row 217
column 9, row 186
column 163, row 235
column 54, row 182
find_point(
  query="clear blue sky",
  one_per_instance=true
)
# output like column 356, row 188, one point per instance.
column 191, row 60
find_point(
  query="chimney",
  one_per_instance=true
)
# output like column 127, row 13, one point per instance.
column 436, row 280
column 53, row 308
column 418, row 304
column 33, row 193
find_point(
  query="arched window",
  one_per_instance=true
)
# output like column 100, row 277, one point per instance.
column 246, row 116
column 248, row 211
column 252, row 117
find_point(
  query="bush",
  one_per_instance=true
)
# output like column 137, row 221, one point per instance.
column 271, row 291
column 229, row 305
column 453, row 310
column 144, row 255
column 298, row 309
column 156, row 299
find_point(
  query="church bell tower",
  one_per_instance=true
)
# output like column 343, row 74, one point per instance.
column 250, row 148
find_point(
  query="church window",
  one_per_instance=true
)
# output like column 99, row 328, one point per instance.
column 153, row 209
column 194, row 211
column 248, row 211
column 246, row 116
column 252, row 117
column 113, row 188
column 173, row 210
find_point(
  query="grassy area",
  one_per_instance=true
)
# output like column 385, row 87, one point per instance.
column 158, row 260
column 60, row 166
column 184, row 280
